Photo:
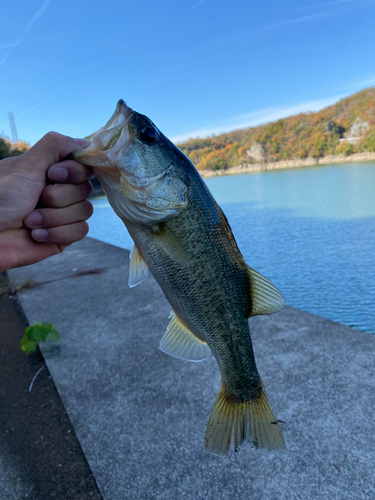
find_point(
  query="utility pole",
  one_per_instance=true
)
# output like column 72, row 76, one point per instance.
column 13, row 128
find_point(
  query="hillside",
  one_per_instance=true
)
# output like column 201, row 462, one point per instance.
column 345, row 128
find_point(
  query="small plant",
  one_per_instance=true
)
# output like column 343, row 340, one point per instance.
column 38, row 333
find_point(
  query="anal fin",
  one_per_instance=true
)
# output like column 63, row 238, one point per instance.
column 265, row 297
column 180, row 342
column 138, row 269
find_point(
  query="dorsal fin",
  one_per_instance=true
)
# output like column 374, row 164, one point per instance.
column 138, row 269
column 180, row 342
column 265, row 297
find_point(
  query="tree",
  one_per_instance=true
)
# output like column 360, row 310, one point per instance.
column 369, row 142
column 344, row 148
column 4, row 149
column 304, row 135
column 12, row 149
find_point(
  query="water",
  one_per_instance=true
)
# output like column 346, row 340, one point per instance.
column 311, row 231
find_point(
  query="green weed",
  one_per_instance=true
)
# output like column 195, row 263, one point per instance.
column 38, row 332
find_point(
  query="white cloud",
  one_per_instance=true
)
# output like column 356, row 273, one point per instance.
column 2, row 61
column 332, row 12
column 257, row 118
column 34, row 18
column 324, row 4
column 34, row 107
column 363, row 83
column 194, row 6
column 298, row 20
column 30, row 24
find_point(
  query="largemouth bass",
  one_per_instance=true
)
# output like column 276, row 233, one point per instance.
column 183, row 237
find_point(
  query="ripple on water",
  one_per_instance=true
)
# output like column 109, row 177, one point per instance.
column 311, row 231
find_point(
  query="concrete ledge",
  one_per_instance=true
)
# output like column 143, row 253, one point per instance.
column 141, row 415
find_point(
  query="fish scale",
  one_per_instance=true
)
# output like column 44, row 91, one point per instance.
column 209, row 287
column 183, row 238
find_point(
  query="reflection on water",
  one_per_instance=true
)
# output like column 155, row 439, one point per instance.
column 311, row 231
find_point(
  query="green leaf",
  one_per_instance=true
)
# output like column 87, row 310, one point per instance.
column 38, row 333
column 53, row 335
column 27, row 345
column 47, row 326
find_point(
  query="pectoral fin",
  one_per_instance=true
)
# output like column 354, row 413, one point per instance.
column 265, row 297
column 180, row 342
column 138, row 269
column 171, row 244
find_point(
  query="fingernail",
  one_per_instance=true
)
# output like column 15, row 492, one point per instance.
column 82, row 143
column 34, row 219
column 58, row 174
column 39, row 234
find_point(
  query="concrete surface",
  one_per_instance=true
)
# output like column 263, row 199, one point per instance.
column 140, row 415
column 40, row 456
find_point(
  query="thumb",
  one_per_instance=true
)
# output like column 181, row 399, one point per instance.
column 50, row 149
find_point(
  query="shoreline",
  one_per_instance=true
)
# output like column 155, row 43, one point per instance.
column 247, row 168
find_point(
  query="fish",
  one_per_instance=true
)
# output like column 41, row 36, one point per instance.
column 183, row 238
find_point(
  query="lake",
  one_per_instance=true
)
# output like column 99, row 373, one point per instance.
column 311, row 231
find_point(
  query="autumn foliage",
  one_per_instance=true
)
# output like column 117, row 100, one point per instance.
column 8, row 148
column 301, row 136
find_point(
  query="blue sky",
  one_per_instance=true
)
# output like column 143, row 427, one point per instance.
column 195, row 67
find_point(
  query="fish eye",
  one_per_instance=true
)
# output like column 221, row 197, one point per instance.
column 148, row 135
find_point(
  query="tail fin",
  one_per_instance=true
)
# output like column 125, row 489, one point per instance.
column 251, row 421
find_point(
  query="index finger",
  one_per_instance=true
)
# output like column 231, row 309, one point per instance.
column 51, row 148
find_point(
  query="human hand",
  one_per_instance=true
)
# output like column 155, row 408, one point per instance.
column 39, row 220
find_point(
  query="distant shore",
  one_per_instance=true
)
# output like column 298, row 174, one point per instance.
column 246, row 168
